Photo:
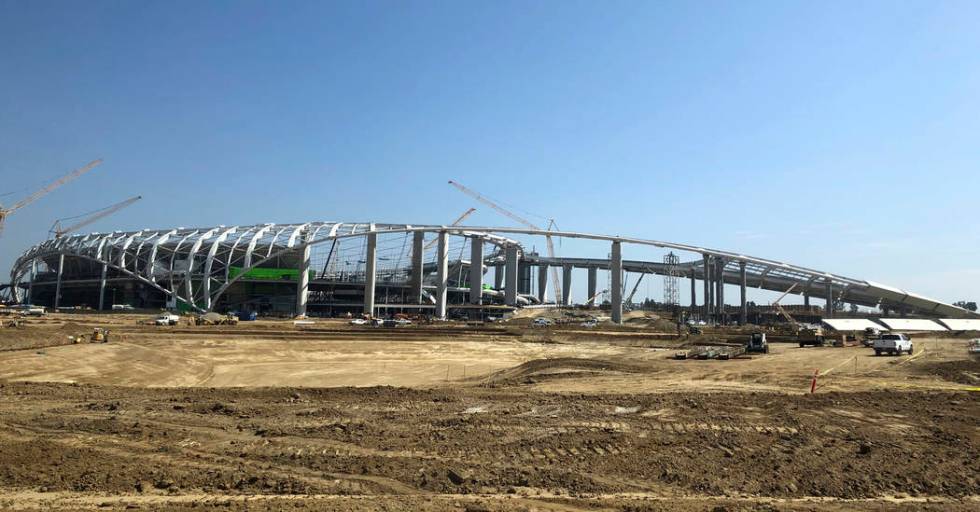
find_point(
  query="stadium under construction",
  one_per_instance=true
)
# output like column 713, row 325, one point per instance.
column 330, row 268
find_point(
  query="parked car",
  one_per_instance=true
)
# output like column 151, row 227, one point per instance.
column 893, row 344
column 589, row 323
column 542, row 322
column 358, row 321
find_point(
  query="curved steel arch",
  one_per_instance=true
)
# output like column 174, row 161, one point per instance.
column 164, row 252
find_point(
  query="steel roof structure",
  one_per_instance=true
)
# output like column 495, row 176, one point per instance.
column 192, row 264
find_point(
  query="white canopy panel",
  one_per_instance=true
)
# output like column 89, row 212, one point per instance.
column 912, row 324
column 851, row 324
column 956, row 324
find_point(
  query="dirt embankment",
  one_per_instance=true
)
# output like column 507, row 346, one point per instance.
column 476, row 442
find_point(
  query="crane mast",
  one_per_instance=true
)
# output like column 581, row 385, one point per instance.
column 499, row 209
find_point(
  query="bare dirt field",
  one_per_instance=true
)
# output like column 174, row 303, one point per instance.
column 266, row 416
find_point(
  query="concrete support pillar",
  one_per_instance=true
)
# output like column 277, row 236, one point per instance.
column 706, row 311
column 593, row 278
column 442, row 274
column 57, row 287
column 524, row 281
column 370, row 274
column 476, row 270
column 30, row 285
column 566, row 285
column 542, row 282
column 719, row 276
column 102, row 282
column 830, row 299
column 418, row 260
column 806, row 297
column 302, row 282
column 616, row 267
column 498, row 277
column 694, row 292
column 742, row 284
column 510, row 276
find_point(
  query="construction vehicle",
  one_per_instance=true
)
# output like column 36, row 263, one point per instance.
column 216, row 319
column 100, row 335
column 805, row 335
column 870, row 335
column 974, row 349
column 5, row 212
column 58, row 230
column 757, row 343
column 167, row 319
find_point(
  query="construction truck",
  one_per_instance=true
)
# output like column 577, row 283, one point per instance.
column 870, row 335
column 757, row 343
column 810, row 336
column 805, row 335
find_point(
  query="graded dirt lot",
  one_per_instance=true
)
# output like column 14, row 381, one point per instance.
column 263, row 416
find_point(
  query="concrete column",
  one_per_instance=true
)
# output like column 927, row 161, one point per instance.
column 476, row 270
column 743, row 281
column 706, row 311
column 418, row 260
column 593, row 277
column 720, row 289
column 829, row 313
column 616, row 267
column 498, row 277
column 370, row 275
column 542, row 282
column 694, row 292
column 566, row 285
column 442, row 271
column 806, row 297
column 524, row 281
column 510, row 287
column 30, row 285
column 57, row 287
column 302, row 282
column 105, row 269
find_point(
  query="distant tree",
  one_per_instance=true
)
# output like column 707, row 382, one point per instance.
column 971, row 306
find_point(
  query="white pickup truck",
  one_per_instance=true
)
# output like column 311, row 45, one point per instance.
column 167, row 319
column 893, row 344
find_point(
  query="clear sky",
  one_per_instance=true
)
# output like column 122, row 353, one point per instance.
column 843, row 136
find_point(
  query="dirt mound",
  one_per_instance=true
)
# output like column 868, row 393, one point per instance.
column 964, row 372
column 538, row 369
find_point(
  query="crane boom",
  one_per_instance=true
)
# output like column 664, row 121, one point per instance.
column 456, row 222
column 4, row 212
column 58, row 231
column 53, row 185
column 499, row 209
column 783, row 311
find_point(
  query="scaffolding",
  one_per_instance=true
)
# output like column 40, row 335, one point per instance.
column 671, row 279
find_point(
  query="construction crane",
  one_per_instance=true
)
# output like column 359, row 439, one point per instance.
column 783, row 312
column 58, row 230
column 5, row 212
column 551, row 245
column 456, row 222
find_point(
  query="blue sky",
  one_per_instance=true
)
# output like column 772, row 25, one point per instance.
column 843, row 136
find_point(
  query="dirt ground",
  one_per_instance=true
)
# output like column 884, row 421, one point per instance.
column 266, row 416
